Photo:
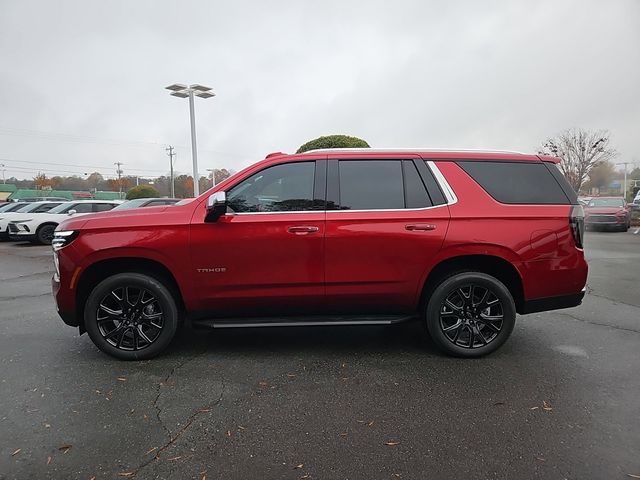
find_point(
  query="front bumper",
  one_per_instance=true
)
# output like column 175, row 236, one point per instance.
column 552, row 303
column 68, row 316
column 604, row 221
column 25, row 237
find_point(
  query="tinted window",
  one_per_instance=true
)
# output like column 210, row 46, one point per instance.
column 281, row 188
column 371, row 184
column 103, row 207
column 416, row 195
column 82, row 207
column 516, row 182
column 46, row 207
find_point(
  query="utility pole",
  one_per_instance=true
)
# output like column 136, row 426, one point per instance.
column 171, row 155
column 119, row 172
column 2, row 165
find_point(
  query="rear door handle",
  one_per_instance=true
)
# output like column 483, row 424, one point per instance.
column 303, row 229
column 412, row 227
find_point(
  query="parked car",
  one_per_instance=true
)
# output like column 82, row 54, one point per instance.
column 44, row 199
column 461, row 240
column 20, row 211
column 11, row 206
column 608, row 212
column 40, row 228
column 146, row 202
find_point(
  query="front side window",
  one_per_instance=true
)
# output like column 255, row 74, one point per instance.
column 82, row 208
column 103, row 207
column 282, row 188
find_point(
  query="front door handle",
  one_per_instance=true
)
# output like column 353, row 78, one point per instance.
column 303, row 229
column 412, row 227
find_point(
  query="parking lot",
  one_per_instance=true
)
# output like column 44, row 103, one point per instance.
column 560, row 400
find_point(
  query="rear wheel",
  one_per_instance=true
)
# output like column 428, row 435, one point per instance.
column 131, row 316
column 470, row 314
column 44, row 234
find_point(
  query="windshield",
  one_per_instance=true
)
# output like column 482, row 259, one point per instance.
column 606, row 202
column 10, row 207
column 62, row 208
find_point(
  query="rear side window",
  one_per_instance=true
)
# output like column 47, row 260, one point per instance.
column 371, row 185
column 415, row 192
column 103, row 207
column 517, row 182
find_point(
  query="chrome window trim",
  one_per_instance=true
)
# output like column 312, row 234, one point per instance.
column 449, row 194
column 444, row 185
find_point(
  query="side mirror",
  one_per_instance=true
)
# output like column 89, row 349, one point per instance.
column 72, row 212
column 216, row 206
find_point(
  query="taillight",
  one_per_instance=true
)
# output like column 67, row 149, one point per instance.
column 576, row 222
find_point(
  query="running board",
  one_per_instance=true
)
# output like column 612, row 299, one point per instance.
column 324, row 321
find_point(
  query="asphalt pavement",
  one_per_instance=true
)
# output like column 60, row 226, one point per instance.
column 560, row 400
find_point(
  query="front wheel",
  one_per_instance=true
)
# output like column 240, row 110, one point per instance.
column 44, row 235
column 131, row 316
column 470, row 314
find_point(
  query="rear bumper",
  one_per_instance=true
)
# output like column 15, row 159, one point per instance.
column 552, row 303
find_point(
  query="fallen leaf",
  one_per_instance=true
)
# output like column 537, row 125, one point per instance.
column 263, row 384
column 204, row 410
column 298, row 466
column 534, row 408
column 144, row 415
column 305, row 476
column 546, row 406
column 499, row 403
column 122, row 379
column 173, row 459
column 46, row 425
column 541, row 459
column 151, row 450
column 16, row 452
column 126, row 474
column 291, row 375
column 370, row 423
column 48, row 460
column 344, row 434
column 632, row 475
column 204, row 477
column 228, row 433
column 93, row 478
column 392, row 443
column 65, row 448
column 241, row 427
column 361, row 421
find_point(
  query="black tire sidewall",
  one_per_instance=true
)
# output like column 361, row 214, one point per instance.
column 42, row 229
column 165, row 299
column 441, row 292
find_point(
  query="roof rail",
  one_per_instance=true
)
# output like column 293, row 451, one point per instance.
column 415, row 149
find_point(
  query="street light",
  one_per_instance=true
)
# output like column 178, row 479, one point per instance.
column 213, row 176
column 183, row 91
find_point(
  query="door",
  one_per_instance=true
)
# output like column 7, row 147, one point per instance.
column 388, row 218
column 266, row 255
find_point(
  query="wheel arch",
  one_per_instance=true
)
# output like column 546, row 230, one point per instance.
column 45, row 224
column 98, row 271
column 492, row 265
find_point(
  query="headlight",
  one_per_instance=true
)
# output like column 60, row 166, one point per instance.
column 63, row 238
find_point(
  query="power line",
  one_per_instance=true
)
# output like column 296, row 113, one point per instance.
column 71, row 165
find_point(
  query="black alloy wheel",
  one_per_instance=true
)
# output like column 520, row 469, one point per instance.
column 470, row 314
column 131, row 316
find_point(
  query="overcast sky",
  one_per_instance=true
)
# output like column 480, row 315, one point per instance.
column 82, row 82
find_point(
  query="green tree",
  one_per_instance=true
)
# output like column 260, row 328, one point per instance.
column 142, row 191
column 601, row 175
column 333, row 141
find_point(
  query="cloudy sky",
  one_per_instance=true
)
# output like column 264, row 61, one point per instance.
column 82, row 82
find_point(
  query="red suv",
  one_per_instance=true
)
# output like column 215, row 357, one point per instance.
column 461, row 240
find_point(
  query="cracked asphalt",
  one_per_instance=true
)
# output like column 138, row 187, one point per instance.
column 560, row 400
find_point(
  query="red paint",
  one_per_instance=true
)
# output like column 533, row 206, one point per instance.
column 317, row 261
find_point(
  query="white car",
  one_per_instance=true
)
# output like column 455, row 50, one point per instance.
column 39, row 228
column 23, row 210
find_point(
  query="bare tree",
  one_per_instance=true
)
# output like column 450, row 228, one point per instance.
column 580, row 150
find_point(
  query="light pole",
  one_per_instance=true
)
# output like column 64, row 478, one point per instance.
column 2, row 165
column 184, row 91
column 213, row 176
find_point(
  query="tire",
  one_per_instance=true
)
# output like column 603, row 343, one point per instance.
column 456, row 322
column 131, row 316
column 44, row 234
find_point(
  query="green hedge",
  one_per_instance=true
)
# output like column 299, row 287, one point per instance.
column 333, row 141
